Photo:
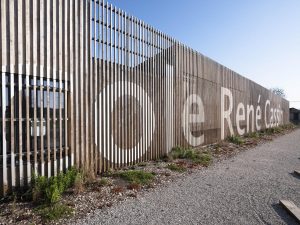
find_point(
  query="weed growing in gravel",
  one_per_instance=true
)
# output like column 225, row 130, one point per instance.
column 104, row 182
column 136, row 176
column 274, row 130
column 134, row 186
column 204, row 159
column 236, row 140
column 252, row 135
column 142, row 164
column 117, row 190
column 54, row 212
column 176, row 167
column 198, row 157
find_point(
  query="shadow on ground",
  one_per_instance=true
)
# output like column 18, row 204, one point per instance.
column 295, row 175
column 284, row 215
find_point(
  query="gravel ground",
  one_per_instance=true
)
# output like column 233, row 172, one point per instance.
column 242, row 190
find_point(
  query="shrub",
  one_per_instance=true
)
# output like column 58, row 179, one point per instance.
column 53, row 193
column 50, row 190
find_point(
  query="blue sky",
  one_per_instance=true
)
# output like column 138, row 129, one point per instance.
column 260, row 39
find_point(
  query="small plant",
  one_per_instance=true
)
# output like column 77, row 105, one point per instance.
column 117, row 190
column 276, row 130
column 78, row 184
column 104, row 182
column 236, row 140
column 53, row 193
column 178, row 152
column 39, row 186
column 54, row 212
column 253, row 135
column 176, row 167
column 142, row 164
column 204, row 159
column 50, row 190
column 137, row 176
column 134, row 186
column 14, row 202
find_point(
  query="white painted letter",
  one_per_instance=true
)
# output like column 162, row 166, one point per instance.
column 266, row 120
column 226, row 114
column 188, row 118
column 240, row 117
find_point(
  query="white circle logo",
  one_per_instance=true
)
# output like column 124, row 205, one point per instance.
column 107, row 101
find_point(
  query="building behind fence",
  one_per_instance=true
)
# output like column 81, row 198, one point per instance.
column 83, row 83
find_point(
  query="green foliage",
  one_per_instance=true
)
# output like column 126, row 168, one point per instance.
column 136, row 176
column 39, row 185
column 53, row 193
column 104, row 182
column 50, row 190
column 274, row 130
column 253, row 135
column 54, row 211
column 204, row 158
column 179, row 152
column 176, row 168
column 183, row 153
column 142, row 164
column 236, row 140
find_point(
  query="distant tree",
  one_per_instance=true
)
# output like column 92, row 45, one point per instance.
column 278, row 91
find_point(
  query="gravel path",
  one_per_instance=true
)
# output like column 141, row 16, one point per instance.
column 242, row 190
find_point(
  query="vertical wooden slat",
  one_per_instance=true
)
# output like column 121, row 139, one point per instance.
column 87, row 74
column 110, row 82
column 122, row 88
column 71, row 71
column 115, row 92
column 76, row 103
column 118, row 79
column 60, row 74
column 81, row 58
column 90, row 88
column 20, row 52
column 125, row 88
column 48, row 56
column 34, row 69
column 54, row 77
column 4, row 145
column 11, row 98
column 42, row 39
column 100, row 107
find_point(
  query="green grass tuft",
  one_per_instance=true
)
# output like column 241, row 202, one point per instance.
column 137, row 176
column 176, row 168
column 236, row 140
column 54, row 211
column 204, row 159
column 104, row 182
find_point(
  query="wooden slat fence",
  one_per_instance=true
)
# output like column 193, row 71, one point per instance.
column 85, row 84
